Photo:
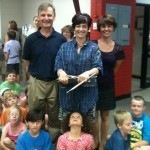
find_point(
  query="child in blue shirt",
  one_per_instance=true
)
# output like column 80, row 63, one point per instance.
column 140, row 136
column 34, row 138
column 120, row 139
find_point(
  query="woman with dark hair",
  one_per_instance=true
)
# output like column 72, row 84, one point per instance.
column 77, row 133
column 112, row 55
column 80, row 58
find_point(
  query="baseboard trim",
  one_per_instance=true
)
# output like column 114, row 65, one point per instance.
column 136, row 76
column 123, row 96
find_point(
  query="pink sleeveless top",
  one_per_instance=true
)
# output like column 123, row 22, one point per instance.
column 14, row 137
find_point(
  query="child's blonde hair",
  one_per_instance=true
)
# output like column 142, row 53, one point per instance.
column 9, row 94
column 120, row 116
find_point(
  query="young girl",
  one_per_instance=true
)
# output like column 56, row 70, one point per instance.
column 12, row 129
column 76, row 128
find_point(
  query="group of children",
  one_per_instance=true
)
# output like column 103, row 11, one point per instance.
column 16, row 119
column 23, row 129
column 132, row 128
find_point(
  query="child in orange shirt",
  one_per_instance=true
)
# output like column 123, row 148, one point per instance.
column 10, row 98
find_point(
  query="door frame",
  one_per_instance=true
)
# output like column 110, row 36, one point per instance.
column 145, row 55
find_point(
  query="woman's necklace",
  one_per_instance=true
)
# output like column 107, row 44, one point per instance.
column 107, row 45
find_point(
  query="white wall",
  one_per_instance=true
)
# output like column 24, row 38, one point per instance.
column 22, row 11
column 65, row 11
column 10, row 10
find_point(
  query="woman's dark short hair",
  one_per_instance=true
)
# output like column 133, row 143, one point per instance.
column 106, row 20
column 11, row 35
column 81, row 18
column 34, row 115
column 68, row 28
column 86, row 123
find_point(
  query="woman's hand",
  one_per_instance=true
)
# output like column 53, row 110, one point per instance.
column 84, row 76
column 62, row 77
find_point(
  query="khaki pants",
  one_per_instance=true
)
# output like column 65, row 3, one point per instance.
column 44, row 95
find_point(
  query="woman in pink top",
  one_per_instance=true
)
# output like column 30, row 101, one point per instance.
column 76, row 136
column 12, row 129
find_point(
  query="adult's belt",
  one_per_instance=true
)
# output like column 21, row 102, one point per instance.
column 42, row 79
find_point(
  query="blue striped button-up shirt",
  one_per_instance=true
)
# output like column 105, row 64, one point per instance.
column 83, row 98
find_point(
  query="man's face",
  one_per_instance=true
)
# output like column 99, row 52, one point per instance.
column 137, row 108
column 46, row 18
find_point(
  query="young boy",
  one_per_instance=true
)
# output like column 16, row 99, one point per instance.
column 140, row 135
column 11, row 82
column 34, row 138
column 120, row 139
column 12, row 52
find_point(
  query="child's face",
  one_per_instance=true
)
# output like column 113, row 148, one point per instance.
column 137, row 108
column 11, row 78
column 76, row 119
column 126, row 127
column 11, row 101
column 34, row 126
column 14, row 116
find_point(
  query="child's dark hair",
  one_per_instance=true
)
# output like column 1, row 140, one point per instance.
column 11, row 35
column 86, row 123
column 81, row 18
column 138, row 98
column 11, row 72
column 34, row 115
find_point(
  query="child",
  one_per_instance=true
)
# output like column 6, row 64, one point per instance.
column 120, row 139
column 10, row 98
column 11, row 82
column 140, row 135
column 2, row 92
column 34, row 138
column 76, row 135
column 12, row 129
column 12, row 52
